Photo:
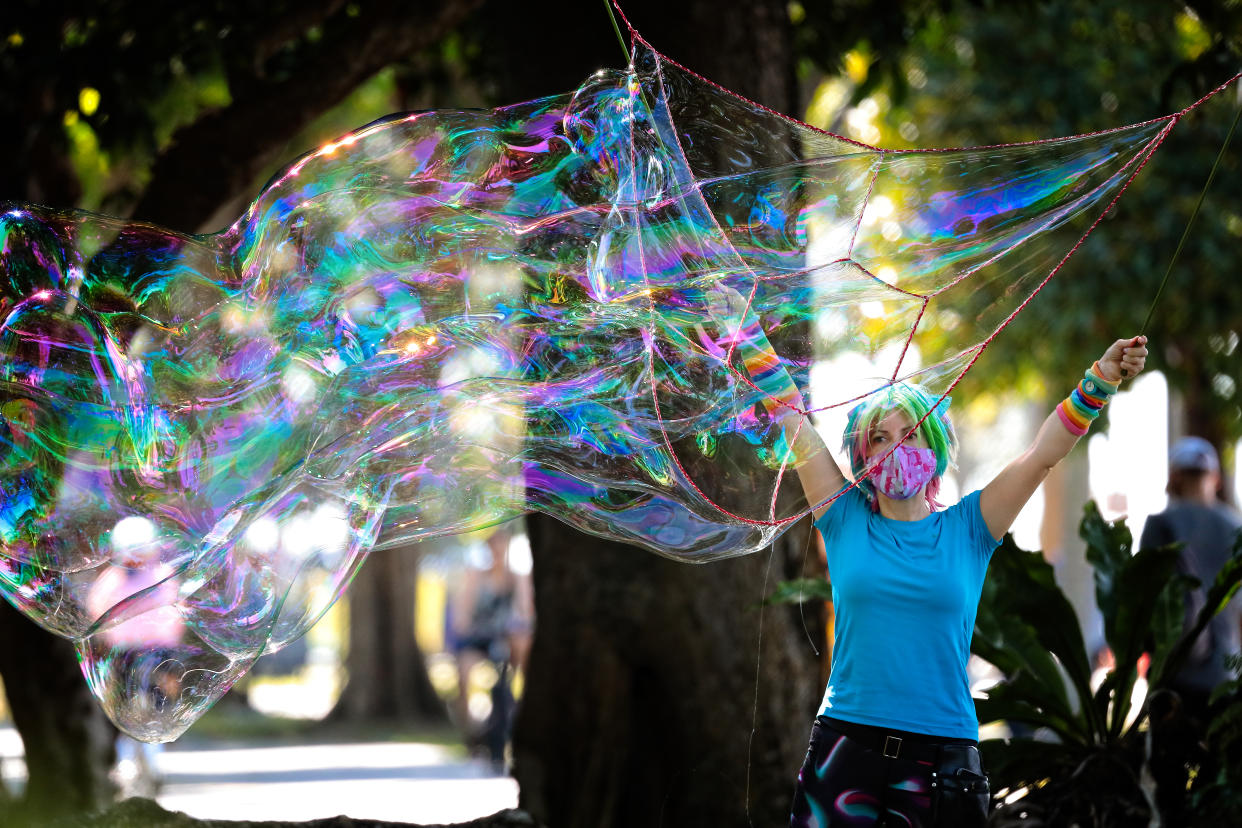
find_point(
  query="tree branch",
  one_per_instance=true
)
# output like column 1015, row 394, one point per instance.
column 216, row 159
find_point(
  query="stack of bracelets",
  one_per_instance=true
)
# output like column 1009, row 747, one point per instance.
column 1082, row 406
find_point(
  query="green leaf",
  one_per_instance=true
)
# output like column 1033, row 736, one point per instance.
column 800, row 591
column 1219, row 594
column 1025, row 623
column 1003, row 658
column 1128, row 589
column 1024, row 698
column 1016, row 763
column 1108, row 551
column 1169, row 619
column 1114, row 697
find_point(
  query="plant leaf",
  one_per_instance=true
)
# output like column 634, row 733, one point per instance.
column 1169, row 619
column 1023, row 698
column 1026, row 624
column 1128, row 588
column 1219, row 594
column 800, row 591
column 1016, row 763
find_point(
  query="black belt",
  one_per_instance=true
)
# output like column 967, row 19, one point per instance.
column 893, row 744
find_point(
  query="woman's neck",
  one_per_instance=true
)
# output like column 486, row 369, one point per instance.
column 913, row 508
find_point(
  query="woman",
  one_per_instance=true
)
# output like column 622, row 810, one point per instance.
column 896, row 739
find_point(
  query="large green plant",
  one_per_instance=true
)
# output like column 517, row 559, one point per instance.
column 1087, row 764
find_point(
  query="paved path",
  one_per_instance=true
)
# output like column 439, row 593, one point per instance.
column 12, row 758
column 394, row 781
column 407, row 782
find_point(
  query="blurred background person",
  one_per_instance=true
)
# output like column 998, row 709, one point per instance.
column 1207, row 528
column 155, row 625
column 492, row 619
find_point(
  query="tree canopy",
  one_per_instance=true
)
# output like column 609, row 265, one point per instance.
column 998, row 73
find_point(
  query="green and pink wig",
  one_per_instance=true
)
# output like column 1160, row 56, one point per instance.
column 917, row 404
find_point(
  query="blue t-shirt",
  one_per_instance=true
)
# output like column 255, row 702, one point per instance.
column 905, row 595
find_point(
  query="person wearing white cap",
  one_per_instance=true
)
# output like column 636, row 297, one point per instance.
column 1207, row 527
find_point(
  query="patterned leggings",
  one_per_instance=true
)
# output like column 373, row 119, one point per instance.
column 843, row 783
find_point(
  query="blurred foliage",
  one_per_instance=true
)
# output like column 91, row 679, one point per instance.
column 1217, row 796
column 800, row 591
column 1112, row 751
column 106, row 85
column 864, row 41
column 989, row 73
column 122, row 76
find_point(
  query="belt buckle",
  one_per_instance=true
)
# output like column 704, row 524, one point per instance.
column 892, row 747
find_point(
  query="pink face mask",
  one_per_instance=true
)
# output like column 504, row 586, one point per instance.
column 905, row 472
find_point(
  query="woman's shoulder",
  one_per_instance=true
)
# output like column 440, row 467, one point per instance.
column 967, row 515
column 851, row 501
column 966, row 509
column 970, row 500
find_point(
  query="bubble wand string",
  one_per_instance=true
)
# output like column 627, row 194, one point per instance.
column 1193, row 214
column 617, row 28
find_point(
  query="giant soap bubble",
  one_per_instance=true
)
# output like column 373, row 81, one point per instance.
column 585, row 305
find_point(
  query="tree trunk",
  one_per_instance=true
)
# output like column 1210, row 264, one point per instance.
column 68, row 741
column 658, row 692
column 387, row 672
column 215, row 160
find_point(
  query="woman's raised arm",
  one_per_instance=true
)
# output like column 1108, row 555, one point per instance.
column 810, row 458
column 1003, row 498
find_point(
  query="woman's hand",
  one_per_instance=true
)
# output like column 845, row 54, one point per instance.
column 1124, row 359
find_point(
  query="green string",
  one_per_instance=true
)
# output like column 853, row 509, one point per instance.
column 1193, row 214
column 625, row 50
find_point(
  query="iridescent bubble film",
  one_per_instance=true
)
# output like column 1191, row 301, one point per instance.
column 605, row 306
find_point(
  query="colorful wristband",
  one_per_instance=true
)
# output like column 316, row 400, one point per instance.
column 1083, row 405
column 1096, row 376
column 1073, row 422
